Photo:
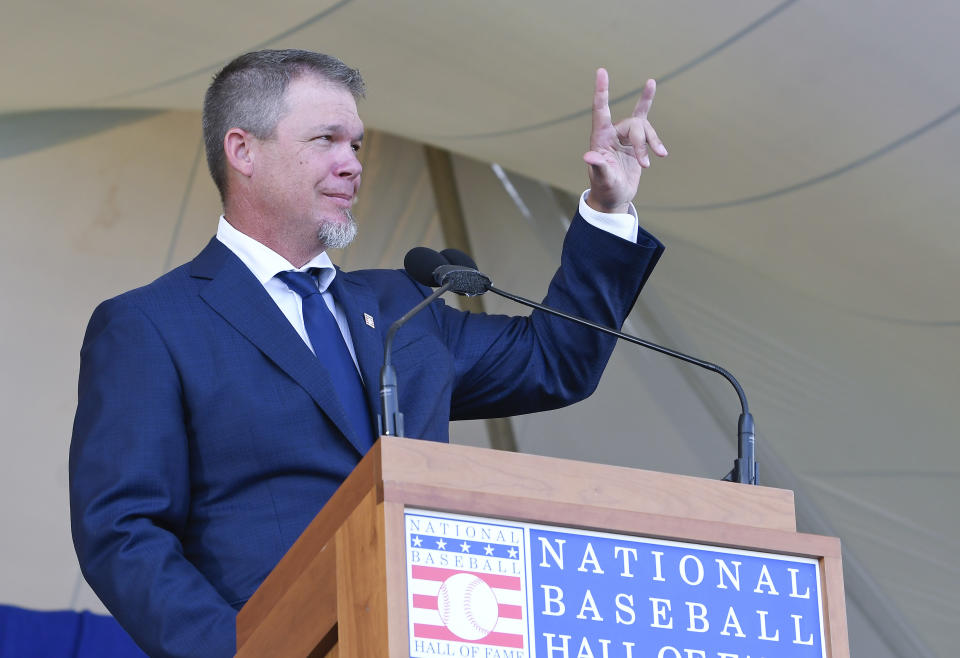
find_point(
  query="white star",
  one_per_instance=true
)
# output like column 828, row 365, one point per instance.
column 441, row 545
column 465, row 547
column 417, row 541
column 488, row 549
column 512, row 552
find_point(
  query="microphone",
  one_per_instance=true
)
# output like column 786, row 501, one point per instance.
column 420, row 263
column 430, row 268
column 457, row 257
column 744, row 467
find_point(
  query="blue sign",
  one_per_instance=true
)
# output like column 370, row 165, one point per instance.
column 483, row 588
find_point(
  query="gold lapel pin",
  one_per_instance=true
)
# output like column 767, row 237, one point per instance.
column 368, row 319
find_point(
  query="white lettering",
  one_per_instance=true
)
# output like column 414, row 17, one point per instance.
column 591, row 557
column 627, row 553
column 793, row 581
column 549, row 600
column 695, row 617
column 699, row 653
column 606, row 648
column 629, row 647
column 765, row 579
column 591, row 605
column 734, row 622
column 557, row 555
column 683, row 570
column 763, row 628
column 656, row 558
column 663, row 652
column 619, row 601
column 733, row 576
column 551, row 648
column 585, row 650
column 661, row 608
column 796, row 627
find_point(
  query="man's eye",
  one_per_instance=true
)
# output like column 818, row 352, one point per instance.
column 356, row 147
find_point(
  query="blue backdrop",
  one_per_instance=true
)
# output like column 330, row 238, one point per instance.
column 62, row 634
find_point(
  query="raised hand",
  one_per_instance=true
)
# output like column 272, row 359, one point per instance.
column 619, row 152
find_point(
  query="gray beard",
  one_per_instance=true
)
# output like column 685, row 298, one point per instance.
column 339, row 234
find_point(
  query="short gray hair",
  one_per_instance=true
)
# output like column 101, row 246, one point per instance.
column 248, row 94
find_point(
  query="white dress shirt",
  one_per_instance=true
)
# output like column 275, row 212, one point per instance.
column 265, row 264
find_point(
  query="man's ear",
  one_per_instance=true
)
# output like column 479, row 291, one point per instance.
column 239, row 147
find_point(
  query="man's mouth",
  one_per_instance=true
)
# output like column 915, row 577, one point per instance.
column 340, row 198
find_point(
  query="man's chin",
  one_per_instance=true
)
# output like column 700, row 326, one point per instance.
column 338, row 233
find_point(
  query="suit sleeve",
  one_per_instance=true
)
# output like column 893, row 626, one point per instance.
column 509, row 366
column 130, row 490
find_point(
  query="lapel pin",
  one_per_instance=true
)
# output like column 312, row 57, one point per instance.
column 368, row 319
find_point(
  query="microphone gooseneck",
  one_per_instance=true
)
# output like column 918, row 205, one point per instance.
column 420, row 263
column 745, row 466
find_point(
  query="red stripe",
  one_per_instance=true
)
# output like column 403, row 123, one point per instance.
column 427, row 632
column 493, row 580
column 424, row 601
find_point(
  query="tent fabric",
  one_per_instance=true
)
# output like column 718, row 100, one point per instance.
column 808, row 206
column 128, row 214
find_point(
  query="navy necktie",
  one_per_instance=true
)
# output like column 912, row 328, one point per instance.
column 329, row 346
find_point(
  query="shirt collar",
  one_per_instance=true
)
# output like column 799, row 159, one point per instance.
column 264, row 262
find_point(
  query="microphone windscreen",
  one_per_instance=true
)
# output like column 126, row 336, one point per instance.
column 421, row 262
column 457, row 257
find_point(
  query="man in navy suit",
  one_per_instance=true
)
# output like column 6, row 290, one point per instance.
column 209, row 428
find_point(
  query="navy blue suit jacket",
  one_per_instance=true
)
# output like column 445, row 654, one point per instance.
column 207, row 434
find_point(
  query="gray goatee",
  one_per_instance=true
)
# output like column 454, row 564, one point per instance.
column 338, row 234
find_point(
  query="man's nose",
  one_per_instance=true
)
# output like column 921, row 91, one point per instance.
column 349, row 165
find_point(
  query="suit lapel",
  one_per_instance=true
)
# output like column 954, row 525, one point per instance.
column 235, row 294
column 358, row 302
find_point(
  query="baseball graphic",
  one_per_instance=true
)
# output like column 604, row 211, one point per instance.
column 467, row 606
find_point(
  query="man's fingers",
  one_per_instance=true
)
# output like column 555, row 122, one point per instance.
column 601, row 102
column 631, row 132
column 598, row 167
column 593, row 159
column 653, row 140
column 646, row 99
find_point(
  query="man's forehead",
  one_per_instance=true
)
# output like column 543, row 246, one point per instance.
column 319, row 84
column 313, row 89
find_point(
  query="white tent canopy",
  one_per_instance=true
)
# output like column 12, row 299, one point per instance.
column 805, row 205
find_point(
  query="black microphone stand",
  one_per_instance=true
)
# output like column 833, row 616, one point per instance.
column 745, row 466
column 390, row 420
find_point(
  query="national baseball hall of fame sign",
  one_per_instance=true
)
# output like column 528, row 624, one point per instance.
column 484, row 588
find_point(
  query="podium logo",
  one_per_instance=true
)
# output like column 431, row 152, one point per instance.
column 484, row 588
column 466, row 586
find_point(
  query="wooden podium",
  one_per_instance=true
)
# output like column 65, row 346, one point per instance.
column 341, row 589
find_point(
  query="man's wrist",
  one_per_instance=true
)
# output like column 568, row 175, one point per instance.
column 624, row 224
column 621, row 209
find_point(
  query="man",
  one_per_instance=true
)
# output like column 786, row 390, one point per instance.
column 215, row 413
